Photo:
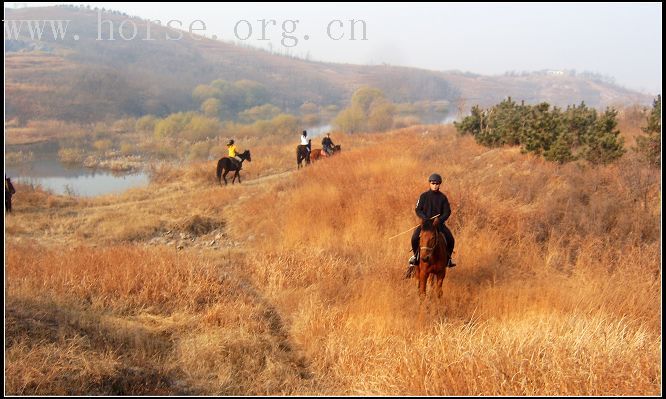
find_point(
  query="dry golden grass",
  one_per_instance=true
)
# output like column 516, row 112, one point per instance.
column 557, row 291
column 131, row 320
column 43, row 131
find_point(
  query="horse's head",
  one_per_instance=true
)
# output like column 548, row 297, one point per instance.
column 246, row 156
column 337, row 148
column 428, row 240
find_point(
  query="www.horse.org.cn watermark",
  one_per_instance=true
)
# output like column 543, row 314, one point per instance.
column 128, row 29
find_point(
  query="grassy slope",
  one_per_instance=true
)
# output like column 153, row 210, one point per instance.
column 287, row 284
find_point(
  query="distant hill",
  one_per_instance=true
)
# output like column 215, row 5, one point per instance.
column 555, row 87
column 87, row 79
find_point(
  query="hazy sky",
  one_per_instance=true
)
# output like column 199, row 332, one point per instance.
column 622, row 41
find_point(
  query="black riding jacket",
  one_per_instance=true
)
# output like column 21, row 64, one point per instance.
column 327, row 142
column 432, row 203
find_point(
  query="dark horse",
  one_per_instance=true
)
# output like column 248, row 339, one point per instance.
column 229, row 165
column 434, row 256
column 319, row 153
column 9, row 191
column 302, row 154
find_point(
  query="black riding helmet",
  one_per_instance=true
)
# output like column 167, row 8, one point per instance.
column 231, row 142
column 435, row 178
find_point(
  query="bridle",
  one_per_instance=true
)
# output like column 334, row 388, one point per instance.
column 432, row 248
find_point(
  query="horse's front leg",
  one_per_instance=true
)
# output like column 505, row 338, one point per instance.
column 238, row 173
column 423, row 280
column 440, row 280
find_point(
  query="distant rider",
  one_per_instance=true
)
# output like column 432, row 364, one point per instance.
column 232, row 154
column 305, row 141
column 328, row 145
column 9, row 191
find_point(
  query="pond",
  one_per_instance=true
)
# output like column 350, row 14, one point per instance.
column 53, row 176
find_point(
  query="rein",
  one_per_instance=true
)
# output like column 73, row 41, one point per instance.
column 407, row 231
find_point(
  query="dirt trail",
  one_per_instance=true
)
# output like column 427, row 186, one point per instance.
column 54, row 233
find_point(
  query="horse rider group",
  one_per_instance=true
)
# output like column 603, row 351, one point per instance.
column 431, row 203
column 326, row 143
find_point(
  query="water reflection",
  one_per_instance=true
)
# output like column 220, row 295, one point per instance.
column 54, row 176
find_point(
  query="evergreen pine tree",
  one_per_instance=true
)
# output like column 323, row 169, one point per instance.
column 650, row 145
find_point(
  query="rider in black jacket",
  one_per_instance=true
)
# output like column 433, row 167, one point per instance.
column 430, row 204
column 327, row 143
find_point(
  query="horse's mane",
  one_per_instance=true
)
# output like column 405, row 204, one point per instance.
column 429, row 225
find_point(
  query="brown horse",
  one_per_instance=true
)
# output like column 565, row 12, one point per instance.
column 319, row 153
column 434, row 256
